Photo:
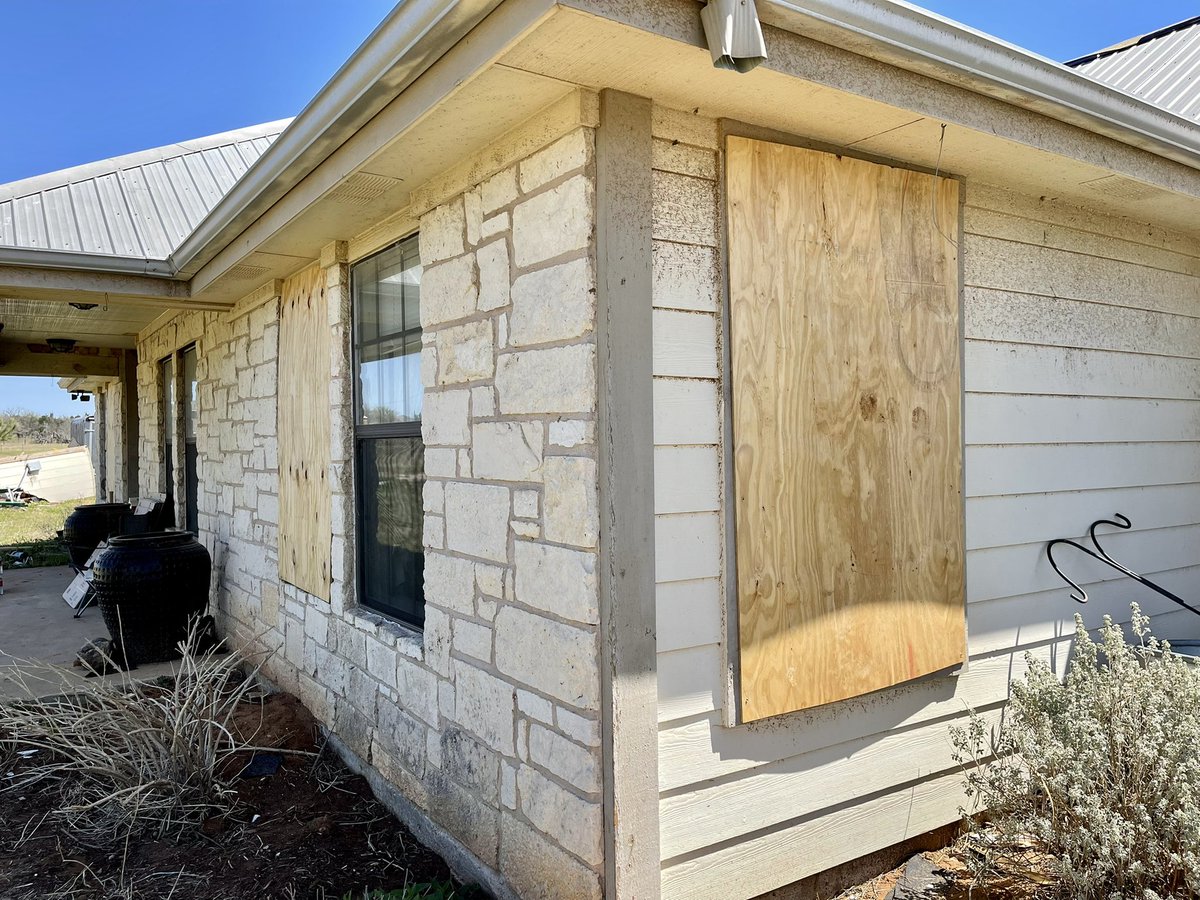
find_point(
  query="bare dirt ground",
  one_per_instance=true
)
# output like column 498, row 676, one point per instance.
column 311, row 830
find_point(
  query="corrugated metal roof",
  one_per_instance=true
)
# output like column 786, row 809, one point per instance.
column 1162, row 68
column 141, row 205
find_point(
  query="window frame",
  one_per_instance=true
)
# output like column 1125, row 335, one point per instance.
column 362, row 433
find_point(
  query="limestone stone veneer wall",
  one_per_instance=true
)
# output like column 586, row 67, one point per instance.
column 489, row 719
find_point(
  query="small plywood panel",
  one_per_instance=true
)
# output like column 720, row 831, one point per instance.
column 846, row 394
column 305, row 498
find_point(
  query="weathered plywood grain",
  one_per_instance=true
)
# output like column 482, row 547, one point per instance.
column 847, row 425
column 305, row 501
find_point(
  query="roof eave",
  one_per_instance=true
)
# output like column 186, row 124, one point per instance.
column 993, row 67
column 85, row 262
column 412, row 37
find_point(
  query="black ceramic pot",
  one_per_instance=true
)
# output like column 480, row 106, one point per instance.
column 89, row 525
column 149, row 588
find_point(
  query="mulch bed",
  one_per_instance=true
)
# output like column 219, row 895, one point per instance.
column 947, row 874
column 311, row 830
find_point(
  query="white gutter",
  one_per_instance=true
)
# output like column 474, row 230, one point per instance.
column 87, row 262
column 900, row 33
column 412, row 37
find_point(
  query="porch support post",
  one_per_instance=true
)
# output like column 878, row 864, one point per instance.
column 129, row 397
column 624, row 270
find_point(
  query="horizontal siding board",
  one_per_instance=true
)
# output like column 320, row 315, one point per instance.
column 1027, row 269
column 1023, row 230
column 686, row 479
column 1028, row 419
column 767, row 861
column 685, row 412
column 685, row 276
column 1024, row 568
column 685, row 209
column 1005, row 520
column 993, row 367
column 685, row 344
column 785, row 790
column 697, row 751
column 686, row 685
column 992, row 315
column 1133, row 234
column 1028, row 469
column 687, row 547
column 1006, row 623
column 688, row 614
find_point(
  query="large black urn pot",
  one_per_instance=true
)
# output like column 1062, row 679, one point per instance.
column 89, row 525
column 150, row 587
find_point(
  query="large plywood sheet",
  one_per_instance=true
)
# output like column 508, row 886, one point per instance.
column 305, row 531
column 846, row 423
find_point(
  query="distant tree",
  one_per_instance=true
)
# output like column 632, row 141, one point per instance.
column 37, row 428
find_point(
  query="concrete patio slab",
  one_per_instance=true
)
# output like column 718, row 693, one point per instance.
column 37, row 625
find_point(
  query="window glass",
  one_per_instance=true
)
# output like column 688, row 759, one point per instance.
column 387, row 291
column 389, row 453
column 168, row 426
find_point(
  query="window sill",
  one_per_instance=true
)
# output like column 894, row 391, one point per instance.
column 407, row 639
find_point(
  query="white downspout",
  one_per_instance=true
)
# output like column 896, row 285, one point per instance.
column 734, row 34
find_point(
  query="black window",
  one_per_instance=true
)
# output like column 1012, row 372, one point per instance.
column 389, row 454
column 167, row 401
column 191, row 480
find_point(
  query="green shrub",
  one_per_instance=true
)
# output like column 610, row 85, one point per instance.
column 1101, row 771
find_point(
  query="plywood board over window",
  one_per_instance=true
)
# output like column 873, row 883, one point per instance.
column 846, row 389
column 305, row 500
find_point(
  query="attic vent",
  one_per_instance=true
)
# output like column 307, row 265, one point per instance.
column 240, row 273
column 362, row 187
column 1118, row 187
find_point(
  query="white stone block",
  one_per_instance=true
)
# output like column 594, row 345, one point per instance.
column 507, row 451
column 508, row 786
column 528, row 530
column 535, row 707
column 499, row 190
column 450, row 582
column 580, row 729
column 477, row 520
column 553, row 380
column 449, row 291
column 574, row 822
column 497, row 224
column 489, row 579
column 465, row 353
column 492, row 264
column 568, row 153
column 441, row 463
column 571, row 433
column 553, row 223
column 557, row 580
column 416, row 687
column 483, row 402
column 525, row 504
column 569, row 511
column 573, row 764
column 483, row 704
column 554, row 304
column 473, row 639
column 555, row 658
column 433, row 495
column 445, row 418
column 473, row 213
column 433, row 534
column 442, row 231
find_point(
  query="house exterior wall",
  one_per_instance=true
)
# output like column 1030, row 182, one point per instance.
column 488, row 721
column 1081, row 384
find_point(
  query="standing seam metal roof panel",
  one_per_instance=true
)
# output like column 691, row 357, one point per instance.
column 141, row 205
column 1162, row 68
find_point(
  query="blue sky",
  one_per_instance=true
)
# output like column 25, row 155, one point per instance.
column 88, row 80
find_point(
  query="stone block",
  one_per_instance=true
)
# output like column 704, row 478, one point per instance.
column 507, row 451
column 568, row 153
column 483, row 704
column 494, row 287
column 464, row 353
column 442, row 231
column 558, row 580
column 569, row 511
column 472, row 639
column 553, row 223
column 445, row 417
column 571, row 433
column 556, row 659
column 477, row 520
column 535, row 707
column 554, row 304
column 471, row 764
column 473, row 213
column 539, row 869
column 450, row 582
column 449, row 291
column 553, row 380
column 483, row 402
column 573, row 822
column 499, row 190
column 578, row 728
column 572, row 763
column 525, row 504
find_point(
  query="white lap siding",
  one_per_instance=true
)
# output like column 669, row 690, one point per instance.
column 1082, row 373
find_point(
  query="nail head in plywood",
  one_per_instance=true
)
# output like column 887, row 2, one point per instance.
column 305, row 497
column 847, row 425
